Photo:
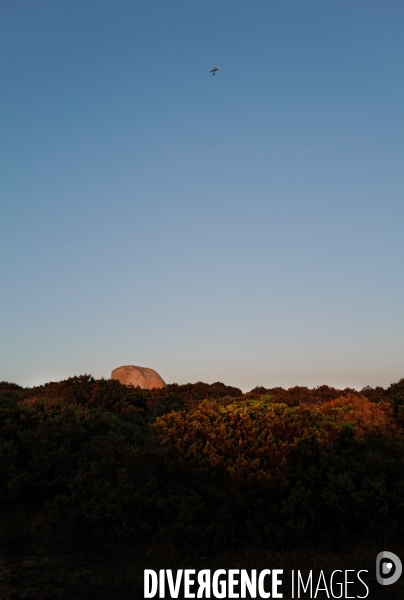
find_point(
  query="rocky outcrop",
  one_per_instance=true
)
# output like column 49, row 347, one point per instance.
column 143, row 377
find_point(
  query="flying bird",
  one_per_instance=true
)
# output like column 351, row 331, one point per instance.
column 213, row 71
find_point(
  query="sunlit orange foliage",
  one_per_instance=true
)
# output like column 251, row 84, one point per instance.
column 251, row 440
column 364, row 415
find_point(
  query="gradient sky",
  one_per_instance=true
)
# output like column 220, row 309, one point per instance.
column 246, row 228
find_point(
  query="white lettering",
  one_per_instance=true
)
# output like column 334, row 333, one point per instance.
column 204, row 583
column 361, row 580
column 150, row 583
column 174, row 589
column 162, row 582
column 340, row 584
column 261, row 590
column 247, row 582
column 322, row 589
column 232, row 582
column 346, row 583
column 215, row 588
column 188, row 582
column 305, row 587
column 276, row 583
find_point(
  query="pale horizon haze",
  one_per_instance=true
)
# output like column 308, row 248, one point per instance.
column 246, row 227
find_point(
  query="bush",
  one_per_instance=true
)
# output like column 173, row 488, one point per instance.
column 203, row 465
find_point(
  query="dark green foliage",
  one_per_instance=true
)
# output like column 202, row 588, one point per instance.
column 300, row 395
column 354, row 491
column 113, row 396
column 81, row 454
column 395, row 394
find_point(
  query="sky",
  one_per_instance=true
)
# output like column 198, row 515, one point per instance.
column 244, row 228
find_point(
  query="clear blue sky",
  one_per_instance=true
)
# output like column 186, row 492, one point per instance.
column 246, row 228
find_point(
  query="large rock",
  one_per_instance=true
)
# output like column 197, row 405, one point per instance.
column 141, row 376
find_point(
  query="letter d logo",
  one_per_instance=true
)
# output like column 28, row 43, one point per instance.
column 388, row 568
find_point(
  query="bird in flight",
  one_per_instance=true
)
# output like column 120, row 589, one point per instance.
column 213, row 71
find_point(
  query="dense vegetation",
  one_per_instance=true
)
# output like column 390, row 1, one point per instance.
column 204, row 465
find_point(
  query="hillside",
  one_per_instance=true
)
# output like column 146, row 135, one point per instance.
column 199, row 469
